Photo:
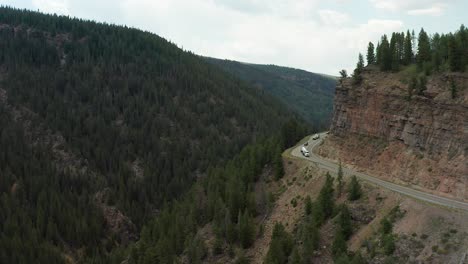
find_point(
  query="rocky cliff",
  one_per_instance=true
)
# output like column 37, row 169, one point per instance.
column 420, row 139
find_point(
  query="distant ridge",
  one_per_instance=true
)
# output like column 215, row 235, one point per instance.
column 306, row 93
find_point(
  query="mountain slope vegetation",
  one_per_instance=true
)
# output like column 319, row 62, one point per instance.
column 103, row 125
column 308, row 94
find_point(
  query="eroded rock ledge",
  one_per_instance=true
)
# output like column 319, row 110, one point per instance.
column 422, row 140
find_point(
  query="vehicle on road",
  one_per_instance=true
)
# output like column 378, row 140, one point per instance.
column 316, row 136
column 306, row 144
column 305, row 152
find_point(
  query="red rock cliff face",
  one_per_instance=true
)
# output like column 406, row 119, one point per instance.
column 422, row 140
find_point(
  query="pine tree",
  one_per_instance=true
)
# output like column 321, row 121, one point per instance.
column 422, row 84
column 339, row 245
column 385, row 54
column 389, row 244
column 354, row 190
column 386, row 226
column 357, row 77
column 378, row 54
column 453, row 89
column 295, row 257
column 358, row 259
column 370, row 54
column 342, row 259
column 395, row 60
column 325, row 199
column 340, row 179
column 278, row 164
column 455, row 56
column 424, row 48
column 343, row 75
column 436, row 52
column 308, row 205
column 344, row 222
column 281, row 245
column 246, row 229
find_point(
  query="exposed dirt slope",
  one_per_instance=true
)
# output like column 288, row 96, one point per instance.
column 424, row 233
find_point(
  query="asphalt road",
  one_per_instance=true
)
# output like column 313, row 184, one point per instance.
column 333, row 167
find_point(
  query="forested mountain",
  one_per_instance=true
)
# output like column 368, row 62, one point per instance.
column 103, row 126
column 308, row 94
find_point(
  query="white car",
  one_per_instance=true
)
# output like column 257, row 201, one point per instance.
column 305, row 152
column 316, row 136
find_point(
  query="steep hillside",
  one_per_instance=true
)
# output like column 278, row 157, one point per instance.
column 417, row 139
column 308, row 94
column 380, row 226
column 101, row 125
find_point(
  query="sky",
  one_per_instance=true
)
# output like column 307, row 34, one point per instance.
column 321, row 36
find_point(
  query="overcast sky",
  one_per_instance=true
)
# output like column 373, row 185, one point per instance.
column 319, row 36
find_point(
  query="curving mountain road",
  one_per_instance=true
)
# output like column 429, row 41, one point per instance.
column 333, row 167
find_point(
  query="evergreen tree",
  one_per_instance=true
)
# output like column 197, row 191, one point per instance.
column 246, row 230
column 378, row 54
column 196, row 252
column 295, row 257
column 453, row 89
column 358, row 259
column 422, row 84
column 436, row 52
column 408, row 49
column 344, row 222
column 357, row 77
column 395, row 60
column 370, row 54
column 386, row 226
column 342, row 259
column 424, row 48
column 325, row 199
column 340, row 179
column 354, row 189
column 281, row 245
column 278, row 164
column 455, row 56
column 389, row 244
column 385, row 54
column 343, row 75
column 339, row 245
column 308, row 205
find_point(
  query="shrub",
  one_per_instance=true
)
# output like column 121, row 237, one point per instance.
column 389, row 244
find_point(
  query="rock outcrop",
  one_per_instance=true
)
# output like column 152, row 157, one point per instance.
column 420, row 140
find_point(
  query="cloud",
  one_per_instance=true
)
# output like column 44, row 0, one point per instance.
column 302, row 8
column 413, row 7
column 333, row 18
column 297, row 33
column 435, row 10
column 52, row 6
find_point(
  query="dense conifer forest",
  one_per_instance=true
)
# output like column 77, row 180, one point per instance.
column 306, row 93
column 147, row 120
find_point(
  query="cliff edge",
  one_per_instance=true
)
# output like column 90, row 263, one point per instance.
column 418, row 139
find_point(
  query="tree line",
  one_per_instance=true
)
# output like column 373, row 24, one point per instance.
column 436, row 53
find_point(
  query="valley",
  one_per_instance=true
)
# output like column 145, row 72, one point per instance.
column 120, row 146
